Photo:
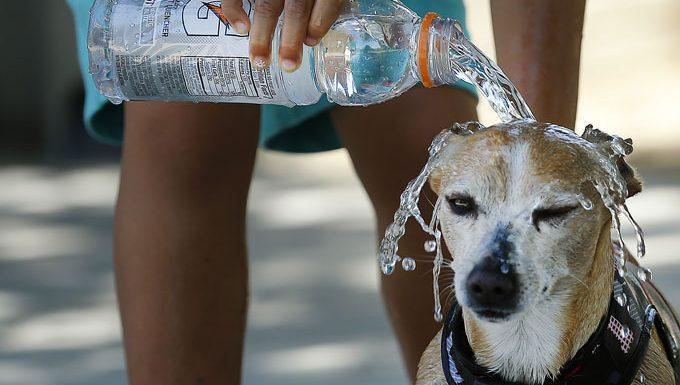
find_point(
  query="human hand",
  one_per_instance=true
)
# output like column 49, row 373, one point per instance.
column 305, row 21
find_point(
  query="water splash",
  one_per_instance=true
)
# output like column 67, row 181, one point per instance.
column 617, row 240
column 438, row 259
column 409, row 199
column 601, row 148
column 408, row 207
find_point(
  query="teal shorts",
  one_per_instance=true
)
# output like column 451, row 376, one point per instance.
column 296, row 129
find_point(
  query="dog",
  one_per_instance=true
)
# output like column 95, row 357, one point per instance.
column 535, row 272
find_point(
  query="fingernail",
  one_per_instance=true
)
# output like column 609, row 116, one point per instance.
column 241, row 27
column 311, row 41
column 288, row 65
column 259, row 61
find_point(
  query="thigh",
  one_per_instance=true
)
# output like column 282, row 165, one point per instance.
column 388, row 146
column 189, row 153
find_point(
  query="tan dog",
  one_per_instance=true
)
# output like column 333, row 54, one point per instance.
column 514, row 195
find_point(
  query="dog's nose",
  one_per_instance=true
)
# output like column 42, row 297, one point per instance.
column 491, row 288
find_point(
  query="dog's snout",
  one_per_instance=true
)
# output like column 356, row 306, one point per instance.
column 492, row 291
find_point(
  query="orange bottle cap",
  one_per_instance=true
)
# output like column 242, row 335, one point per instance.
column 423, row 46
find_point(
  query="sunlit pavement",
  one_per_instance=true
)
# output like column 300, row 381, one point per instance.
column 315, row 317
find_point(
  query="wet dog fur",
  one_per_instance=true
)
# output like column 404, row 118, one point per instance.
column 526, row 187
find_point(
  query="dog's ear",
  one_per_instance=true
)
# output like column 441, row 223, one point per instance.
column 633, row 183
column 435, row 180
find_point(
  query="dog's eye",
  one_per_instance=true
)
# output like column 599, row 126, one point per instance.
column 550, row 215
column 463, row 205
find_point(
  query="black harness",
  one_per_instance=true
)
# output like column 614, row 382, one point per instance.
column 612, row 355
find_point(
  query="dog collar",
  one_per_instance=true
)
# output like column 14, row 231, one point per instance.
column 611, row 356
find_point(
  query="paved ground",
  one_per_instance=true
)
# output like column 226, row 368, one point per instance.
column 316, row 316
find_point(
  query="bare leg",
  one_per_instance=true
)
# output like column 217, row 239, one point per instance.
column 180, row 254
column 388, row 145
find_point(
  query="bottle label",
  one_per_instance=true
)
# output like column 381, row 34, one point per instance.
column 185, row 50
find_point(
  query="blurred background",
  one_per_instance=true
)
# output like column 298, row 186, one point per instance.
column 315, row 312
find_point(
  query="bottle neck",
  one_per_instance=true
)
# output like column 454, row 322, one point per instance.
column 436, row 38
column 445, row 55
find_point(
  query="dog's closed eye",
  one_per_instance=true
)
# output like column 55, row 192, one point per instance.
column 550, row 215
column 463, row 205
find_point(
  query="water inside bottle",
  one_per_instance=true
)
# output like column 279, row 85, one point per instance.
column 366, row 58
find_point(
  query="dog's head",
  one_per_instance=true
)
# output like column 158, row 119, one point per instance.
column 521, row 215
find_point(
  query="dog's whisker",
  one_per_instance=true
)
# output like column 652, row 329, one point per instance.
column 448, row 301
column 579, row 280
column 427, row 198
column 425, row 273
column 423, row 260
column 447, row 279
column 450, row 298
column 444, row 288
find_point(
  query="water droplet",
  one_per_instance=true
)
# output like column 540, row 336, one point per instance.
column 624, row 332
column 586, row 203
column 644, row 274
column 638, row 231
column 505, row 267
column 595, row 349
column 621, row 299
column 116, row 100
column 619, row 146
column 388, row 268
column 642, row 378
column 408, row 264
column 438, row 316
column 430, row 245
column 621, row 271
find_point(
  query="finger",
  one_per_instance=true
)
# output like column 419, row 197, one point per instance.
column 234, row 14
column 324, row 14
column 264, row 23
column 295, row 20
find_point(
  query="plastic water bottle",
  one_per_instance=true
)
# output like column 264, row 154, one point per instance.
column 184, row 50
